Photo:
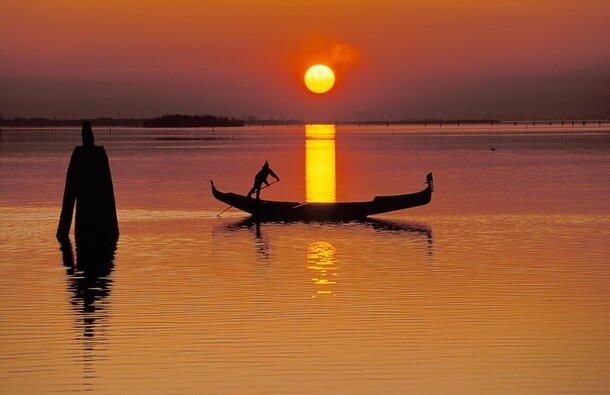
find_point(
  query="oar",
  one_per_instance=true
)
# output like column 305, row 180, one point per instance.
column 226, row 209
column 223, row 211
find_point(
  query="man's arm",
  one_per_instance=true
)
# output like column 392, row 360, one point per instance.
column 272, row 173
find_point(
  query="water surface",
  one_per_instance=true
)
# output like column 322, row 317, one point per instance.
column 499, row 285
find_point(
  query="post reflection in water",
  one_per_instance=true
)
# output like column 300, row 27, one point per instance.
column 320, row 173
column 89, row 282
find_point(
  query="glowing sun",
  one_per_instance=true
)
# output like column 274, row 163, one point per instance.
column 319, row 78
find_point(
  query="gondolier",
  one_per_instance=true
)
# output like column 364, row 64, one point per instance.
column 260, row 179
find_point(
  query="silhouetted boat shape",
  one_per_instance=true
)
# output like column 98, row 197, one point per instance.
column 341, row 211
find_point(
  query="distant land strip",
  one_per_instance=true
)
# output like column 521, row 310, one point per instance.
column 191, row 121
column 211, row 121
column 165, row 121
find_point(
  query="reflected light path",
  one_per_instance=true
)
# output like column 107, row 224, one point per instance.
column 322, row 261
column 320, row 174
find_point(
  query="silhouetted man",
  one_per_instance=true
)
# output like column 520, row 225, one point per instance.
column 260, row 178
column 89, row 185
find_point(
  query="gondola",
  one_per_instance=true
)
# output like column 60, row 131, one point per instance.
column 266, row 210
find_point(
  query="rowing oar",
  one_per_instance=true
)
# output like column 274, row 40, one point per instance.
column 226, row 209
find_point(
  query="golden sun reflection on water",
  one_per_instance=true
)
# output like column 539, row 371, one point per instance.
column 320, row 173
column 321, row 186
column 322, row 261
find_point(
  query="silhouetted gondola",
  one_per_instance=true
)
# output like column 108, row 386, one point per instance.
column 296, row 211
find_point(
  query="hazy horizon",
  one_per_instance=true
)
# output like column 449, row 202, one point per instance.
column 422, row 60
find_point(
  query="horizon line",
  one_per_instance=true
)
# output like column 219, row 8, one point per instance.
column 253, row 121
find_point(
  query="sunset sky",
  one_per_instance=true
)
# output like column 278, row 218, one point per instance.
column 392, row 59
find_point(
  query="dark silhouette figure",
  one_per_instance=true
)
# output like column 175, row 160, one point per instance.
column 89, row 185
column 260, row 178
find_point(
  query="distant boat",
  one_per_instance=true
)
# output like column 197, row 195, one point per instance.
column 267, row 210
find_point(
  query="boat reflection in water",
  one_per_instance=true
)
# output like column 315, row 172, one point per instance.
column 322, row 256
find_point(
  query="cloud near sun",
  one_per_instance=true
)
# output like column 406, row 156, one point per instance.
column 343, row 54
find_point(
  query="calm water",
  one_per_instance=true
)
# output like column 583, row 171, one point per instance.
column 500, row 285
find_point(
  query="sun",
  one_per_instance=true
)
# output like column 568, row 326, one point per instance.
column 319, row 78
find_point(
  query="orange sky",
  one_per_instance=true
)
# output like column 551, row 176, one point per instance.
column 393, row 59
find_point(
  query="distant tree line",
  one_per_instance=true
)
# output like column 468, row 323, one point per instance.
column 190, row 121
column 169, row 121
column 46, row 122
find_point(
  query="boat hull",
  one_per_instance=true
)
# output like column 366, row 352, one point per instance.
column 267, row 210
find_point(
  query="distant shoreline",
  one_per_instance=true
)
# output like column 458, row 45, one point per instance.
column 197, row 121
column 173, row 121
